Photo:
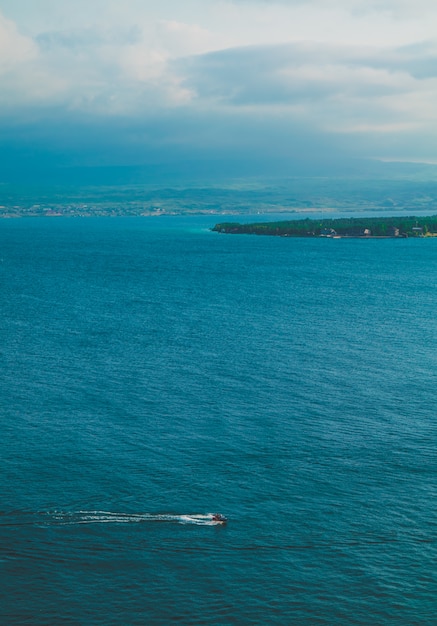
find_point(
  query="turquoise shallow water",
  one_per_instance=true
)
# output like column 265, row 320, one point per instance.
column 154, row 372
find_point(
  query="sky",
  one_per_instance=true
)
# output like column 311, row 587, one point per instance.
column 132, row 82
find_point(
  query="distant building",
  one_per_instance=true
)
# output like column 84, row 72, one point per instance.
column 367, row 232
column 327, row 232
column 393, row 231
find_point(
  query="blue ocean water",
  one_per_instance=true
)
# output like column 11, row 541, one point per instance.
column 154, row 372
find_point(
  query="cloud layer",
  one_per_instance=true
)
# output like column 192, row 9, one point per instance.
column 232, row 76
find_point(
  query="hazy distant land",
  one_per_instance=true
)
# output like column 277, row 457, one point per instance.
column 411, row 189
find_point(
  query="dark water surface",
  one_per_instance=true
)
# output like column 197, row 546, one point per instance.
column 153, row 372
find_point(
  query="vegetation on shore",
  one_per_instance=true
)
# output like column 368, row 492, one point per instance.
column 409, row 226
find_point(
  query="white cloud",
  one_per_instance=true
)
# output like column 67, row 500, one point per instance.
column 113, row 70
column 15, row 48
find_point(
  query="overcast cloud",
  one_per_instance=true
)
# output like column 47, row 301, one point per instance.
column 203, row 77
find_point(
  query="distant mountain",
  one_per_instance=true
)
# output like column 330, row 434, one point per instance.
column 223, row 189
column 212, row 172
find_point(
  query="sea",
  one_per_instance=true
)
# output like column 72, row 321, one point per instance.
column 154, row 373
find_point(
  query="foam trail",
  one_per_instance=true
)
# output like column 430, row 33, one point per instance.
column 62, row 518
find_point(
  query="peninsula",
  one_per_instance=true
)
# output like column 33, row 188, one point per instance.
column 362, row 227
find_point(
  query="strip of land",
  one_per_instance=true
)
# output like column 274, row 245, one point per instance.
column 365, row 227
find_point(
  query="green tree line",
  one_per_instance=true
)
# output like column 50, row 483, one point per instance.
column 410, row 226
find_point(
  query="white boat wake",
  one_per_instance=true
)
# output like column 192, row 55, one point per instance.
column 62, row 518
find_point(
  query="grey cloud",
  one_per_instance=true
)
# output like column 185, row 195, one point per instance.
column 420, row 60
column 68, row 138
column 293, row 73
